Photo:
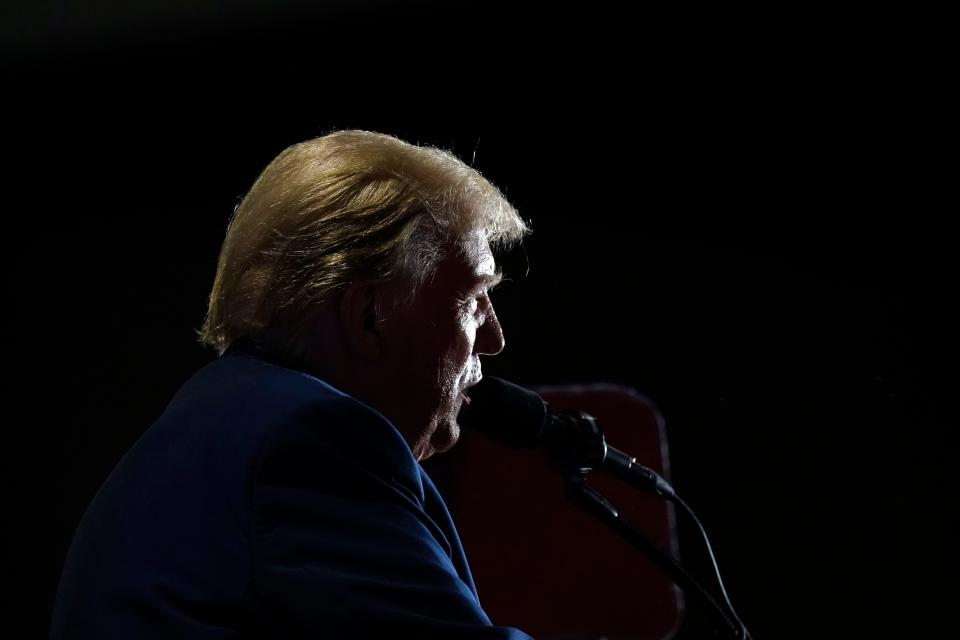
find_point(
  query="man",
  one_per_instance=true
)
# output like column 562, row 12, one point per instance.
column 280, row 493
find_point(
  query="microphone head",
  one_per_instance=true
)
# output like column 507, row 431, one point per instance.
column 506, row 413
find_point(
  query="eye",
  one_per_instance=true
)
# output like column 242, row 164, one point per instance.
column 476, row 302
column 470, row 305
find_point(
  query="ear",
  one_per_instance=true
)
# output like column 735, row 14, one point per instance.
column 358, row 319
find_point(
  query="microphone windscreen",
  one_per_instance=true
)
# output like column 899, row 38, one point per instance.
column 505, row 412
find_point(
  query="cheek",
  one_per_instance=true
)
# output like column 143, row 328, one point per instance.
column 457, row 352
column 462, row 345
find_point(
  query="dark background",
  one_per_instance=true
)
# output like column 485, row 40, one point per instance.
column 746, row 216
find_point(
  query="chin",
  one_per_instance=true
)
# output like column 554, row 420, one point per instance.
column 445, row 436
column 423, row 452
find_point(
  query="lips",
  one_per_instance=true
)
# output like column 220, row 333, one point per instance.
column 466, row 388
column 472, row 383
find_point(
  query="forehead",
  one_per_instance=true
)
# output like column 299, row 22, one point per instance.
column 468, row 263
column 477, row 256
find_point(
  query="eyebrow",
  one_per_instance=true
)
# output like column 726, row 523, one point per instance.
column 486, row 281
column 491, row 280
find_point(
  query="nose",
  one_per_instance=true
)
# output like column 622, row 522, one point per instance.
column 489, row 340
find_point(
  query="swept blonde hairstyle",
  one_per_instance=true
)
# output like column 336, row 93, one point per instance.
column 351, row 205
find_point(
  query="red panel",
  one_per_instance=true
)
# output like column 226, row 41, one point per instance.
column 543, row 565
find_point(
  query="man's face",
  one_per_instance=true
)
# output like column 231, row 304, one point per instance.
column 432, row 348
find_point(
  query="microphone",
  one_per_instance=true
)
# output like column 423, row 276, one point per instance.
column 521, row 419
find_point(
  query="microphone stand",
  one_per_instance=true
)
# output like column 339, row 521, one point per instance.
column 574, row 444
column 596, row 505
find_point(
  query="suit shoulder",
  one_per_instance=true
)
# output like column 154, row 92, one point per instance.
column 278, row 410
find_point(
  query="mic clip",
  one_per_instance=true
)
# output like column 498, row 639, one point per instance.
column 578, row 445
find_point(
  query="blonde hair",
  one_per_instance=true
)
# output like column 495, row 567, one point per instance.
column 346, row 206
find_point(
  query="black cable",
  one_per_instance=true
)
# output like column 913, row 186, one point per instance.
column 594, row 503
column 713, row 560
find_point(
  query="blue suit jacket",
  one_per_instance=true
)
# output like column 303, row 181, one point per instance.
column 265, row 503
